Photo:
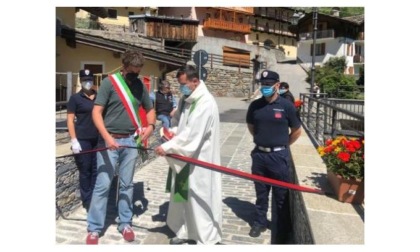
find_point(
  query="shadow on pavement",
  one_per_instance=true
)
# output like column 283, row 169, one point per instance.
column 163, row 210
column 140, row 203
column 242, row 209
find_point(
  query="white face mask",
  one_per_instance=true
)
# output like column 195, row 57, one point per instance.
column 87, row 84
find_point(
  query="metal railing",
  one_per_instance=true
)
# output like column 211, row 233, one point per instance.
column 319, row 35
column 326, row 118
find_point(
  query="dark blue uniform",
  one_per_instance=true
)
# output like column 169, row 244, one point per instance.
column 271, row 156
column 87, row 135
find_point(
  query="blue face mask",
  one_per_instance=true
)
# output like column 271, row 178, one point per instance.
column 185, row 90
column 282, row 91
column 267, row 91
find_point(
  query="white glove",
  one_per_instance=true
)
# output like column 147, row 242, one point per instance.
column 75, row 146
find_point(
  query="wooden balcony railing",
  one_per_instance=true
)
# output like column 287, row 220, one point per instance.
column 249, row 10
column 226, row 25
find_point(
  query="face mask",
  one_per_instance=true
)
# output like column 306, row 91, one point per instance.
column 282, row 91
column 185, row 90
column 131, row 76
column 267, row 91
column 87, row 84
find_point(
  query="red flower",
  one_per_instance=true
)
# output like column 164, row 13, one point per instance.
column 328, row 142
column 329, row 149
column 356, row 144
column 298, row 103
column 344, row 156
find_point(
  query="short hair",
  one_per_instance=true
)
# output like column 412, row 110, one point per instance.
column 181, row 71
column 284, row 85
column 190, row 71
column 132, row 58
column 162, row 84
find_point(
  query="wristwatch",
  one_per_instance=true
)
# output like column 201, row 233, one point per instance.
column 153, row 125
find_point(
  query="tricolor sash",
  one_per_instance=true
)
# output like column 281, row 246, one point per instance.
column 129, row 102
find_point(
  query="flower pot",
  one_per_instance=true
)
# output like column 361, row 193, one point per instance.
column 347, row 190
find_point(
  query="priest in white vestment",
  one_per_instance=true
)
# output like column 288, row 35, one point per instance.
column 195, row 208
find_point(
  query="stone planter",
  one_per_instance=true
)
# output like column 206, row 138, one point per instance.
column 347, row 190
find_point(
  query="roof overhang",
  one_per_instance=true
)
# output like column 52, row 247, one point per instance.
column 97, row 11
column 154, row 54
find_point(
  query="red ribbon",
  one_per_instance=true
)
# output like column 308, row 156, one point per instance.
column 245, row 175
column 222, row 169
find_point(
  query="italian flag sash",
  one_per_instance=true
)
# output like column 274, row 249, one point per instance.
column 130, row 103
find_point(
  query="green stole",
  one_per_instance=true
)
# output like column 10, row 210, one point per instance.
column 181, row 179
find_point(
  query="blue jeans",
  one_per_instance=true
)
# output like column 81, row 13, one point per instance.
column 106, row 167
column 166, row 120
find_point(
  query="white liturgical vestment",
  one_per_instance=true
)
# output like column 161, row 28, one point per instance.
column 196, row 129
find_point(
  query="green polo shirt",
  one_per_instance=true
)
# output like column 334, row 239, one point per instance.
column 115, row 115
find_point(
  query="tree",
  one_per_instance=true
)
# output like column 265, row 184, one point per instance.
column 332, row 80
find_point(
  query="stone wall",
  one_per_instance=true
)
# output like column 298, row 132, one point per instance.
column 221, row 82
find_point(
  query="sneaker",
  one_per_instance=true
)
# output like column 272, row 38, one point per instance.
column 128, row 234
column 92, row 238
column 256, row 231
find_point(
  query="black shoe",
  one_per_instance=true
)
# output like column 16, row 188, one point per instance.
column 256, row 231
column 86, row 207
column 177, row 241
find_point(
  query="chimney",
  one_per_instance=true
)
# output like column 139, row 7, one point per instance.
column 335, row 11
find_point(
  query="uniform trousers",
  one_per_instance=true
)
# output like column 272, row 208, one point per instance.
column 274, row 165
column 86, row 164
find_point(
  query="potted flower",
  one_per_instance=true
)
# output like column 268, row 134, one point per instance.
column 298, row 104
column 345, row 161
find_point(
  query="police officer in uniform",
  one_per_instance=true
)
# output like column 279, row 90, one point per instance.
column 84, row 135
column 269, row 119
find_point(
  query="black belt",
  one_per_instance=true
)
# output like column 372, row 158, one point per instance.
column 271, row 149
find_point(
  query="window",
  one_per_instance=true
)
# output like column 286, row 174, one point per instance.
column 112, row 13
column 319, row 49
column 236, row 57
column 130, row 13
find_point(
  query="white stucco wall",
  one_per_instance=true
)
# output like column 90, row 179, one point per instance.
column 333, row 48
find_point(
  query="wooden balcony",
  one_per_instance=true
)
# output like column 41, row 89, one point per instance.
column 245, row 10
column 226, row 26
